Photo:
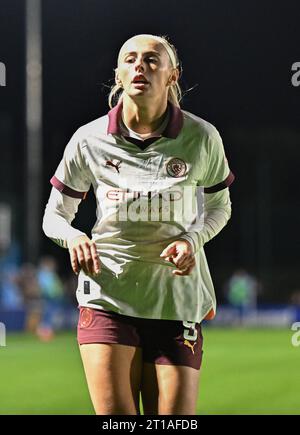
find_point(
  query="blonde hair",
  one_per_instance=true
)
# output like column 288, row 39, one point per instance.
column 174, row 94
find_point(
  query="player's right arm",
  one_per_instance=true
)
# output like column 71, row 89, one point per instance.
column 59, row 213
column 71, row 182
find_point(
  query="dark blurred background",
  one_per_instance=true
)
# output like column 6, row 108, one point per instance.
column 238, row 56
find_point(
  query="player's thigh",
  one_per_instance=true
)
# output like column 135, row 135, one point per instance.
column 178, row 389
column 169, row 389
column 149, row 389
column 172, row 361
column 113, row 373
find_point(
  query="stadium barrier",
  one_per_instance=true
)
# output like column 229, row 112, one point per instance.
column 15, row 320
column 267, row 316
column 264, row 316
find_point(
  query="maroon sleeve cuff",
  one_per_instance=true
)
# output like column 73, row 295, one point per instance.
column 220, row 186
column 66, row 190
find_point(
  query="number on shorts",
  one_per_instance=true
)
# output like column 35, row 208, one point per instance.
column 190, row 333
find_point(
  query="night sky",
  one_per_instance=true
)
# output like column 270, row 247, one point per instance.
column 237, row 54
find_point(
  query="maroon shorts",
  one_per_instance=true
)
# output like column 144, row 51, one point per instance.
column 162, row 341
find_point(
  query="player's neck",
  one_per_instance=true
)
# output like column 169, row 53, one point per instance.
column 141, row 117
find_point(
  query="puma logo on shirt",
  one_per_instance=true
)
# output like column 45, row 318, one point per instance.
column 117, row 165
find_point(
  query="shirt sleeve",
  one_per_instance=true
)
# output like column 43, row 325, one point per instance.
column 72, row 175
column 217, row 212
column 218, row 175
column 59, row 213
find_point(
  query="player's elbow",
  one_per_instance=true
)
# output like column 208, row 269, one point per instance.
column 46, row 224
column 227, row 212
column 49, row 224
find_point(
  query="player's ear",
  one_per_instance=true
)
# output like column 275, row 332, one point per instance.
column 117, row 79
column 174, row 76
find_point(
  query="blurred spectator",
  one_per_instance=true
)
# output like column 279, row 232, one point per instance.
column 28, row 283
column 10, row 294
column 11, row 297
column 242, row 289
column 52, row 293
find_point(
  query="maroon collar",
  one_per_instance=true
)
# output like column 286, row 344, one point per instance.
column 172, row 130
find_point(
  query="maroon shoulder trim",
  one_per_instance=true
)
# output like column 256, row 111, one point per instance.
column 220, row 186
column 66, row 190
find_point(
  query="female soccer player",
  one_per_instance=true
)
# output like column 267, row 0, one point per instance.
column 144, row 285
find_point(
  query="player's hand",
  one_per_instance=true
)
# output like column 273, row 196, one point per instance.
column 83, row 255
column 181, row 254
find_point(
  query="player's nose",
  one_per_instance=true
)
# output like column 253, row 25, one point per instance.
column 139, row 64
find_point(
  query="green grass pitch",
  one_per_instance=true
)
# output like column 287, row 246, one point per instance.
column 244, row 372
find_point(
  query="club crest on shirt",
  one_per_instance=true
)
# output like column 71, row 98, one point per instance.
column 176, row 167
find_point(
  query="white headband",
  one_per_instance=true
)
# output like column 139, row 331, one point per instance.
column 165, row 44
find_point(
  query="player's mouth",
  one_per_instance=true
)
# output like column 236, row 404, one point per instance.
column 140, row 81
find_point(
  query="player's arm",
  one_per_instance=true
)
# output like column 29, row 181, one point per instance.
column 216, row 208
column 59, row 213
column 217, row 204
column 217, row 212
column 71, row 182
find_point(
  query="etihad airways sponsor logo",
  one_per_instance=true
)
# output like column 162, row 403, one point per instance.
column 123, row 194
column 183, row 204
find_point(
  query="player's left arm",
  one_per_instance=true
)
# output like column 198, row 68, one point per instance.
column 216, row 208
column 217, row 212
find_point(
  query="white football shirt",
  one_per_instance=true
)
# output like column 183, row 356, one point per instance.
column 141, row 189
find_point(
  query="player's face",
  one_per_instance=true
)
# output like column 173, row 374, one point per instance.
column 144, row 68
